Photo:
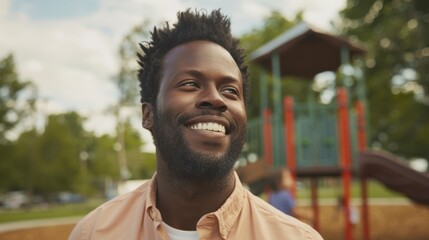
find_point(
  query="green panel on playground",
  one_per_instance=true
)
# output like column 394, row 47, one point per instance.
column 316, row 136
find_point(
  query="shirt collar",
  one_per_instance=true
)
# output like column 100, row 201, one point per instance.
column 151, row 200
column 227, row 214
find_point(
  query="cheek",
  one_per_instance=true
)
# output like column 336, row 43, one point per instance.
column 173, row 104
column 239, row 112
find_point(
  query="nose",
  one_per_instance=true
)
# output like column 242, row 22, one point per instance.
column 211, row 99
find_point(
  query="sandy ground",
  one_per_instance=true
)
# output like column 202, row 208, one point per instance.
column 409, row 222
column 56, row 232
column 401, row 222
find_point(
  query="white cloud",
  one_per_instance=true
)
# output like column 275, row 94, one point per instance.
column 65, row 60
column 4, row 7
column 320, row 13
column 101, row 123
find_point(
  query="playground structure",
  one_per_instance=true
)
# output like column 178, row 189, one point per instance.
column 312, row 139
column 396, row 175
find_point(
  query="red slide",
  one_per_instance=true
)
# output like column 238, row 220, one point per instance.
column 396, row 175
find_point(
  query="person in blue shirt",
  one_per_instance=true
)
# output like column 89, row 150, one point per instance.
column 280, row 182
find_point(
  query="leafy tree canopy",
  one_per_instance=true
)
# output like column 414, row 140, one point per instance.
column 16, row 98
column 396, row 34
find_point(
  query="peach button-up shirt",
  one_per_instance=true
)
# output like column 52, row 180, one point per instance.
column 134, row 216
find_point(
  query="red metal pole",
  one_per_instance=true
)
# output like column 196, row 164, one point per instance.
column 290, row 140
column 345, row 155
column 268, row 154
column 364, row 188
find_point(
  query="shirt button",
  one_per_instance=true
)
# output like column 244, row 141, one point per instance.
column 154, row 214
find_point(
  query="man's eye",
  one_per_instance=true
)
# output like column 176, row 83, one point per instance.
column 231, row 91
column 189, row 84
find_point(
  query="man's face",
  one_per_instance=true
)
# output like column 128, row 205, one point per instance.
column 199, row 121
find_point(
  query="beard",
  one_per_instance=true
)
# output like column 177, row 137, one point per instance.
column 186, row 163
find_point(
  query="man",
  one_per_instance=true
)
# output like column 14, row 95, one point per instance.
column 193, row 85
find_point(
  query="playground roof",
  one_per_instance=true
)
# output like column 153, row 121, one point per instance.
column 305, row 52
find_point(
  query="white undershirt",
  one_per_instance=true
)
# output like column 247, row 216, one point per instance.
column 177, row 234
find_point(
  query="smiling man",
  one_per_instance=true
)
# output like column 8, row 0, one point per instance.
column 194, row 85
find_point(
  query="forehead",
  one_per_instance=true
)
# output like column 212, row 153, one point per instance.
column 202, row 56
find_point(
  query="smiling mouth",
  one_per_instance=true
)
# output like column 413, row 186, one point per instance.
column 209, row 126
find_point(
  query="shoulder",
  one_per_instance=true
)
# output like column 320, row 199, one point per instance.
column 111, row 211
column 277, row 222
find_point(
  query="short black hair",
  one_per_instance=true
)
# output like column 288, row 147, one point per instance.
column 191, row 26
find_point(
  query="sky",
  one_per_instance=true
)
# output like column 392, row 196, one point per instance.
column 69, row 48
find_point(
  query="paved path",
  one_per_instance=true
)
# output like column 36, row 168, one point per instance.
column 5, row 227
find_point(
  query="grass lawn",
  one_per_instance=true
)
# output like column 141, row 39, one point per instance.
column 54, row 211
column 332, row 188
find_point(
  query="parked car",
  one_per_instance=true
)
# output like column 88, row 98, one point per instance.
column 15, row 200
column 69, row 197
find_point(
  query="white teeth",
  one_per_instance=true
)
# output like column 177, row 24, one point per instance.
column 215, row 127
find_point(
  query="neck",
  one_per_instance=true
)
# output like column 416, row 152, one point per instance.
column 182, row 202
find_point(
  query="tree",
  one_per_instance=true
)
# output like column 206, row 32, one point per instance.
column 396, row 34
column 128, row 89
column 6, row 167
column 24, row 165
column 16, row 103
column 59, row 162
column 103, row 162
column 14, row 106
column 142, row 165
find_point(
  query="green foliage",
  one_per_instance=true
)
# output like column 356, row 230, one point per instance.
column 14, row 106
column 103, row 160
column 59, row 162
column 65, row 157
column 16, row 103
column 24, row 162
column 6, row 165
column 46, row 163
column 141, row 165
column 396, row 34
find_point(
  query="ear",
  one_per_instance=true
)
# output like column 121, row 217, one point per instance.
column 147, row 111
